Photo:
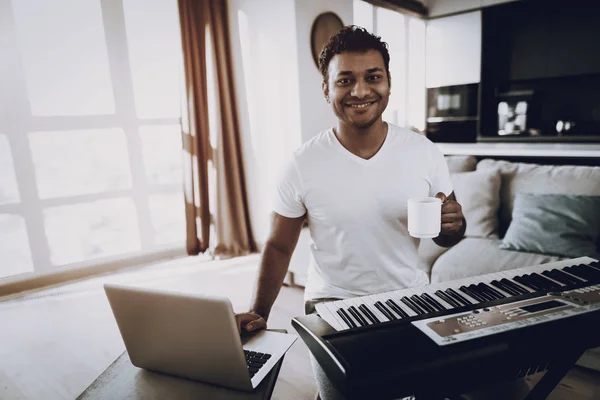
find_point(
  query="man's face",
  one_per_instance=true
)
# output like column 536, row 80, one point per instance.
column 357, row 87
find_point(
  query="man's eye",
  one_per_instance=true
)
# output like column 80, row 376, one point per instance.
column 343, row 81
column 374, row 78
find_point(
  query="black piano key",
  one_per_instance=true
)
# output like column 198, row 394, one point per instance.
column 575, row 279
column 548, row 284
column 422, row 304
column 342, row 313
column 474, row 295
column 491, row 290
column 392, row 304
column 595, row 264
column 504, row 287
column 564, row 279
column 369, row 313
column 412, row 306
column 514, row 285
column 447, row 299
column 458, row 297
column 481, row 292
column 593, row 272
column 527, row 283
column 382, row 309
column 580, row 272
column 359, row 318
column 433, row 302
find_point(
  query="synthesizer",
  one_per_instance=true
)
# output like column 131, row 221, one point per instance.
column 461, row 334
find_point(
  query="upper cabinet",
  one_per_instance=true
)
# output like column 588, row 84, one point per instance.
column 439, row 8
column 453, row 50
column 543, row 42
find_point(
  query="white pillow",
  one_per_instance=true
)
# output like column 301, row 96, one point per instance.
column 478, row 192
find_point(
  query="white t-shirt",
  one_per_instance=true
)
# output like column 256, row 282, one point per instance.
column 357, row 210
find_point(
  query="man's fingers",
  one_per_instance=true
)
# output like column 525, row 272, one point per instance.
column 451, row 217
column 256, row 325
column 441, row 196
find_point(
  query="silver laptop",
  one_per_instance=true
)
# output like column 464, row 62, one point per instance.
column 192, row 336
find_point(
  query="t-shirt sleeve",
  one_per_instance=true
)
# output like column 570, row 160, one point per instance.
column 288, row 193
column 440, row 176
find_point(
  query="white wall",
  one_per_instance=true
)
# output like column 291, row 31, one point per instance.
column 316, row 115
column 443, row 7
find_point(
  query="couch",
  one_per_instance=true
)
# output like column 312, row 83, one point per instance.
column 490, row 191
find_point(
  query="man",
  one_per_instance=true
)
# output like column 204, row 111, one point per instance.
column 352, row 182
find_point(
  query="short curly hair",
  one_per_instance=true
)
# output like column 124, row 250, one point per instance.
column 352, row 38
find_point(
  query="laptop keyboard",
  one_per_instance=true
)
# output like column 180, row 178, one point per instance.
column 255, row 361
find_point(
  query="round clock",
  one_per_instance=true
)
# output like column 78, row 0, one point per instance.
column 325, row 25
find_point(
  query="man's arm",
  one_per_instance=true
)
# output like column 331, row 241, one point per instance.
column 274, row 264
column 454, row 223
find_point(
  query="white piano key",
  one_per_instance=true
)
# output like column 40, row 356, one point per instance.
column 371, row 303
column 356, row 302
column 332, row 307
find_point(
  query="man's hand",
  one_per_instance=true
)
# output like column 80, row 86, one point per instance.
column 452, row 216
column 250, row 322
column 454, row 223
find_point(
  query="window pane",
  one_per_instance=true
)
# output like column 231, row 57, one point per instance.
column 14, row 246
column 86, row 231
column 363, row 14
column 69, row 163
column 154, row 41
column 168, row 218
column 64, row 56
column 162, row 149
column 9, row 192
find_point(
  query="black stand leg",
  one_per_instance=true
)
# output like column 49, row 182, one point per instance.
column 552, row 377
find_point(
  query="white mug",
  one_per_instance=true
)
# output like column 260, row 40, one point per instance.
column 424, row 217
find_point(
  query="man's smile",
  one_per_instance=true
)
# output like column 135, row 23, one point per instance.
column 361, row 105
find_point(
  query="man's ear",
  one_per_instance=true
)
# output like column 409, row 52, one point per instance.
column 325, row 88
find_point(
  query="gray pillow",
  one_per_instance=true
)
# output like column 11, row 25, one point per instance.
column 558, row 224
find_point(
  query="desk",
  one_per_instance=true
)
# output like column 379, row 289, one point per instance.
column 123, row 380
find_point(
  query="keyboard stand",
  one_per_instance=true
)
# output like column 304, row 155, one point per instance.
column 556, row 372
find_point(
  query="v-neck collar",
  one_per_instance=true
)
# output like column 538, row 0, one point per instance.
column 340, row 147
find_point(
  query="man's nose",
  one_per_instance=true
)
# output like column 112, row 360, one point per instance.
column 360, row 89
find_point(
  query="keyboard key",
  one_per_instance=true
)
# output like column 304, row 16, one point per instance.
column 505, row 288
column 381, row 307
column 458, row 297
column 359, row 318
column 369, row 314
column 412, row 306
column 392, row 304
column 491, row 290
column 447, row 299
column 433, row 302
column 422, row 304
column 346, row 318
column 266, row 356
column 474, row 295
column 514, row 286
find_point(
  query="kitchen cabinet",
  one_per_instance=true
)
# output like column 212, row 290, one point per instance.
column 453, row 50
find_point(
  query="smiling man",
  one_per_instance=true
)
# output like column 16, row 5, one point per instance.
column 352, row 182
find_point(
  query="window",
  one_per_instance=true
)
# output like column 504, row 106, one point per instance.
column 405, row 36
column 90, row 143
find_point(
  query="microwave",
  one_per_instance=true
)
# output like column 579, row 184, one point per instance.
column 453, row 113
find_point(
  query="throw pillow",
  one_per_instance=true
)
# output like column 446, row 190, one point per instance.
column 558, row 224
column 478, row 192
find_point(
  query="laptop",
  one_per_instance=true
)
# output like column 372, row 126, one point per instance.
column 193, row 336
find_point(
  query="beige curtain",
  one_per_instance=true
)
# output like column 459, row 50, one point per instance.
column 231, row 218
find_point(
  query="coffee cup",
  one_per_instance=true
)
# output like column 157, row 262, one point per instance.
column 424, row 217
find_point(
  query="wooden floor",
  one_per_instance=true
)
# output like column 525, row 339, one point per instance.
column 55, row 342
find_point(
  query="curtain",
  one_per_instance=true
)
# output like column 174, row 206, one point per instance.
column 230, row 217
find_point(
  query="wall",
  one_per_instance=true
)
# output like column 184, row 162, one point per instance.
column 443, row 7
column 315, row 114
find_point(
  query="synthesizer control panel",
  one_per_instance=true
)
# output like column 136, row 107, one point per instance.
column 491, row 320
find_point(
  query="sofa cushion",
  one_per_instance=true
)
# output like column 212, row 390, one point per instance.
column 534, row 178
column 479, row 256
column 563, row 225
column 478, row 192
column 461, row 163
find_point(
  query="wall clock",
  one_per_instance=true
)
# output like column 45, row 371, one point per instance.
column 325, row 25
